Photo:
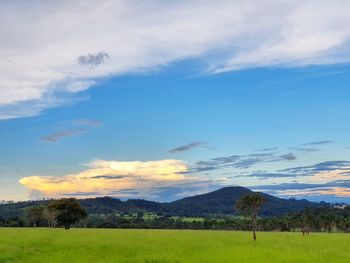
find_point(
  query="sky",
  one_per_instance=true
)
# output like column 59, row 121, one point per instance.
column 167, row 99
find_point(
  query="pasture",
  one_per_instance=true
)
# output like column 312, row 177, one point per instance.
column 24, row 245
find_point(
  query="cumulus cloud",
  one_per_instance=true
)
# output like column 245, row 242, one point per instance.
column 44, row 40
column 105, row 177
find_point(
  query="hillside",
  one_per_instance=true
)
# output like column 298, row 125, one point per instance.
column 222, row 202
column 219, row 202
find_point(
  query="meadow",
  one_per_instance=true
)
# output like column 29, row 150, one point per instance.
column 38, row 245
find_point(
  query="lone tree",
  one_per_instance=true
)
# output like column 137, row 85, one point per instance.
column 69, row 211
column 250, row 205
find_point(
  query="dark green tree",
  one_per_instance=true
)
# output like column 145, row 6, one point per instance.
column 308, row 221
column 35, row 215
column 328, row 221
column 69, row 211
column 250, row 205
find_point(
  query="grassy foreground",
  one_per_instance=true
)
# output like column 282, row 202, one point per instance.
column 168, row 246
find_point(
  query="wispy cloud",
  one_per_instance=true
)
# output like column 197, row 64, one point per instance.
column 54, row 137
column 240, row 161
column 319, row 172
column 267, row 149
column 334, row 192
column 110, row 38
column 88, row 122
column 288, row 156
column 85, row 125
column 319, row 191
column 188, row 147
column 328, row 181
column 301, row 186
column 303, row 149
column 318, row 142
column 318, row 167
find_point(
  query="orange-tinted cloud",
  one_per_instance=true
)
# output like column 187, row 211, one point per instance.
column 328, row 176
column 336, row 191
column 105, row 176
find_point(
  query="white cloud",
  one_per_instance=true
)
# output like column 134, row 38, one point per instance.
column 43, row 41
column 107, row 177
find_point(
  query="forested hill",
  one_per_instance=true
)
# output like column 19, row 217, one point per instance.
column 222, row 202
column 219, row 202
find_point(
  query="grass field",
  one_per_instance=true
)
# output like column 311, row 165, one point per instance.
column 168, row 246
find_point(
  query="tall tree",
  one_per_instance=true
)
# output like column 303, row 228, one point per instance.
column 69, row 211
column 51, row 214
column 308, row 220
column 35, row 215
column 250, row 205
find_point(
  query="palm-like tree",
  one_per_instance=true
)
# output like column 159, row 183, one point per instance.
column 250, row 205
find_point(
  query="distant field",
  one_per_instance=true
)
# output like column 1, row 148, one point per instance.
column 168, row 246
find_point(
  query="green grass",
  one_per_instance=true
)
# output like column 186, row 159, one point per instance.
column 168, row 246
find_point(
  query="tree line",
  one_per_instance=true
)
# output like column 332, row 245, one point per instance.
column 63, row 212
column 68, row 212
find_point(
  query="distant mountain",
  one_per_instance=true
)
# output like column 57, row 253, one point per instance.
column 220, row 202
column 223, row 201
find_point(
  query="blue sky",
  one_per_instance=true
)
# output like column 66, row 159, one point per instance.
column 182, row 111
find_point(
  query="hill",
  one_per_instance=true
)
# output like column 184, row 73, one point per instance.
column 220, row 202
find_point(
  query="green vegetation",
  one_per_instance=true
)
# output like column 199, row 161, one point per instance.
column 217, row 203
column 250, row 205
column 314, row 220
column 39, row 245
column 64, row 212
column 69, row 211
column 215, row 210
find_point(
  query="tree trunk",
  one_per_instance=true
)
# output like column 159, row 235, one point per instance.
column 254, row 226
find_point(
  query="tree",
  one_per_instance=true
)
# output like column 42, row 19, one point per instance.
column 51, row 214
column 328, row 221
column 35, row 215
column 250, row 205
column 69, row 211
column 308, row 221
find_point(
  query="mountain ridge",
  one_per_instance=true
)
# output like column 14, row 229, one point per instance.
column 219, row 202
